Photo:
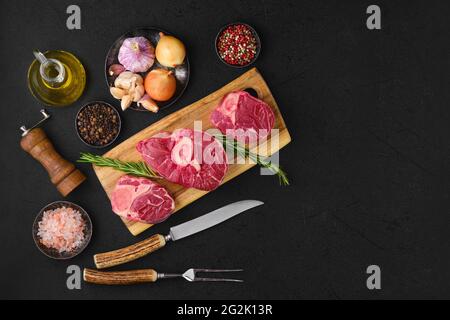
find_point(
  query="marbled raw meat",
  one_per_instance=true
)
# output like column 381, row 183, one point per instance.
column 199, row 162
column 243, row 117
column 140, row 199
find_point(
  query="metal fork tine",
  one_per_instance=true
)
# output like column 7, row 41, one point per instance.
column 191, row 275
column 218, row 280
column 218, row 270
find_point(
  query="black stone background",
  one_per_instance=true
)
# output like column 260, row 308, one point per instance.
column 369, row 162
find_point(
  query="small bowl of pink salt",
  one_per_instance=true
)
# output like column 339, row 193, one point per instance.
column 62, row 230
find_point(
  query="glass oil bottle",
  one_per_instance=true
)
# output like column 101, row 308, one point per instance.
column 56, row 78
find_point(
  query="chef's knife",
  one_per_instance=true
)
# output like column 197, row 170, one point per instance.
column 157, row 241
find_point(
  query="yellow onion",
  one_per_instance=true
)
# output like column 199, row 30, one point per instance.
column 160, row 84
column 170, row 51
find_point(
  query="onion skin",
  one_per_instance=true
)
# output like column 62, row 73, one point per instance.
column 170, row 51
column 116, row 69
column 160, row 84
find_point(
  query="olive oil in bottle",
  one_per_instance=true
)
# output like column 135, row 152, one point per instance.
column 56, row 78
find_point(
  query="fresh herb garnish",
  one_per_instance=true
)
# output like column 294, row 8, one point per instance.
column 244, row 152
column 139, row 168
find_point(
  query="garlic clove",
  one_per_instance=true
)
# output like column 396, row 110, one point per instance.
column 148, row 103
column 138, row 93
column 122, row 84
column 126, row 102
column 138, row 79
column 123, row 81
column 117, row 92
column 133, row 84
column 132, row 88
column 127, row 80
column 127, row 75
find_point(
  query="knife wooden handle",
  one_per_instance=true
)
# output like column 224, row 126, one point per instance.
column 120, row 278
column 130, row 253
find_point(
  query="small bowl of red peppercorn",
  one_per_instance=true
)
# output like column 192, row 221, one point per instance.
column 237, row 45
column 98, row 124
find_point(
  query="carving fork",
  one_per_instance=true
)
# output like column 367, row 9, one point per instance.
column 150, row 275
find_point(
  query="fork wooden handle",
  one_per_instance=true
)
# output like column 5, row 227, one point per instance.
column 130, row 253
column 120, row 278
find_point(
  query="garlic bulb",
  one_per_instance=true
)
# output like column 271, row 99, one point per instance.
column 137, row 54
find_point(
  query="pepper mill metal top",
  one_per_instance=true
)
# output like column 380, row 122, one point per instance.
column 25, row 130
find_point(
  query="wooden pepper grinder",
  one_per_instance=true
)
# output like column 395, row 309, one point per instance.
column 63, row 174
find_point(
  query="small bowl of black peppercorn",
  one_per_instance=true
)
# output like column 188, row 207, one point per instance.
column 98, row 124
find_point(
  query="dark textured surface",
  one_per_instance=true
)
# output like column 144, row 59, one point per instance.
column 369, row 162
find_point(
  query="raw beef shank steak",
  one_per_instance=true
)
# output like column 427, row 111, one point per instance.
column 193, row 159
column 140, row 199
column 243, row 117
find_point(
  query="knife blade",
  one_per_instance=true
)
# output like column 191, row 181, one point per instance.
column 157, row 241
column 211, row 219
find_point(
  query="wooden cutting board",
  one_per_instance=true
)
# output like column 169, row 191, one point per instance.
column 185, row 118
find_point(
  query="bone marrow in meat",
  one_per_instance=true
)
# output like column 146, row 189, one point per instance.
column 193, row 159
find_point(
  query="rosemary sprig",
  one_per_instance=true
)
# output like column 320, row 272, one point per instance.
column 139, row 168
column 244, row 152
